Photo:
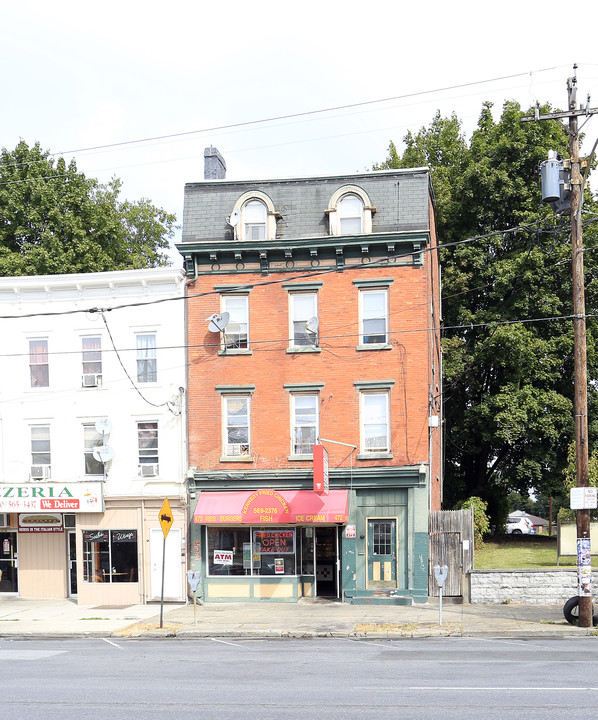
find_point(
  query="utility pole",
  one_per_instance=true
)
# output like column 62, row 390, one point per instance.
column 584, row 567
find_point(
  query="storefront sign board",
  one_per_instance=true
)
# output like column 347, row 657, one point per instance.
column 52, row 497
column 41, row 523
column 269, row 507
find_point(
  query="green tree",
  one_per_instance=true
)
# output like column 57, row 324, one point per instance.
column 53, row 219
column 507, row 384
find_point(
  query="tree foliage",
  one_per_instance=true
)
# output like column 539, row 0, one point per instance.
column 508, row 364
column 53, row 219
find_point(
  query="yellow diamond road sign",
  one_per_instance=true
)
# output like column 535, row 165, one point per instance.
column 165, row 517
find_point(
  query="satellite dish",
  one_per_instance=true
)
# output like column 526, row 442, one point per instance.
column 103, row 426
column 234, row 218
column 312, row 325
column 103, row 453
column 218, row 321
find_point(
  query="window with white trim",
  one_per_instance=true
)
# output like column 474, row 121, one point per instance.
column 236, row 333
column 374, row 414
column 350, row 215
column 38, row 363
column 92, row 439
column 350, row 211
column 147, row 363
column 254, row 216
column 303, row 312
column 40, row 452
column 304, row 423
column 235, row 425
column 147, row 448
column 373, row 311
column 91, row 358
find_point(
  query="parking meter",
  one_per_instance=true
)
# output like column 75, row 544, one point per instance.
column 440, row 573
column 193, row 578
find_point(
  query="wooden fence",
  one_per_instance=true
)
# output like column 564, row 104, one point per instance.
column 451, row 543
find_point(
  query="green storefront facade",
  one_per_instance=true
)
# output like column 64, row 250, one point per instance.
column 375, row 552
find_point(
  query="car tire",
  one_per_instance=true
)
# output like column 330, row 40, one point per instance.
column 571, row 612
column 516, row 532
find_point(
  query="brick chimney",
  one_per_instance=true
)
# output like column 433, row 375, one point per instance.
column 214, row 167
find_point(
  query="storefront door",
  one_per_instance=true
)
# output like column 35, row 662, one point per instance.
column 173, row 588
column 382, row 553
column 9, row 564
column 326, row 562
column 72, row 562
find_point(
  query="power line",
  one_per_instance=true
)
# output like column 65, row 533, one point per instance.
column 289, row 116
column 387, row 262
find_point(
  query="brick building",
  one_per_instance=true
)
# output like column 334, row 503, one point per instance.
column 313, row 314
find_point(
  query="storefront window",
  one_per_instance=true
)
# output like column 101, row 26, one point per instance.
column 110, row 556
column 252, row 551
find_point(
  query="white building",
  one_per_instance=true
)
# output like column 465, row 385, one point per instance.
column 92, row 435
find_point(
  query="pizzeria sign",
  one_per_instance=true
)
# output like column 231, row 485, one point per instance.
column 52, row 497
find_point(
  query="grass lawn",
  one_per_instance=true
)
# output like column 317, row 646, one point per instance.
column 511, row 552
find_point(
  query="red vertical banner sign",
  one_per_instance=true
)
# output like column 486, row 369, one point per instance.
column 321, row 482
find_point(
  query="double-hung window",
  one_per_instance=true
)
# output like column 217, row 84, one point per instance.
column 255, row 217
column 305, row 418
column 350, row 215
column 303, row 316
column 304, row 423
column 40, row 452
column 374, row 313
column 92, row 439
column 147, row 364
column 374, row 424
column 38, row 363
column 91, row 354
column 374, row 414
column 374, row 316
column 147, row 447
column 236, row 426
column 236, row 333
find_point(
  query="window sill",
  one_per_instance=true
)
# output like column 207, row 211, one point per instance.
column 309, row 457
column 237, row 458
column 375, row 456
column 236, row 351
column 306, row 349
column 374, row 346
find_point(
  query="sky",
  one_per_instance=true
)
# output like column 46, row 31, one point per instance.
column 137, row 90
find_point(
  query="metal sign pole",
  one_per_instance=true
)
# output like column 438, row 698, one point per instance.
column 440, row 572
column 162, row 592
column 166, row 520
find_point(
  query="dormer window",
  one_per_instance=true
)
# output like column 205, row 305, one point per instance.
column 350, row 212
column 255, row 217
column 350, row 215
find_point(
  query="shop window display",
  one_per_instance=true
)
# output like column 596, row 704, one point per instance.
column 110, row 556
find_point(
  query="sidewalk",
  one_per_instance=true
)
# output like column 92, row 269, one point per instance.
column 59, row 618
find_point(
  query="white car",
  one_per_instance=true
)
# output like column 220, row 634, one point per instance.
column 520, row 525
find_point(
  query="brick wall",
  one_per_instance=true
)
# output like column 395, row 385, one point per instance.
column 338, row 365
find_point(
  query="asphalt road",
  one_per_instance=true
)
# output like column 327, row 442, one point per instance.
column 207, row 679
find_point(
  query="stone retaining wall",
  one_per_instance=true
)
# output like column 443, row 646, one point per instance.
column 532, row 587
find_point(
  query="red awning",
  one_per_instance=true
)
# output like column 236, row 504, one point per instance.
column 271, row 507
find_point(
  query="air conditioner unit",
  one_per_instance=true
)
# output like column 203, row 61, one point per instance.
column 4, row 521
column 233, row 449
column 91, row 380
column 148, row 470
column 40, row 472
